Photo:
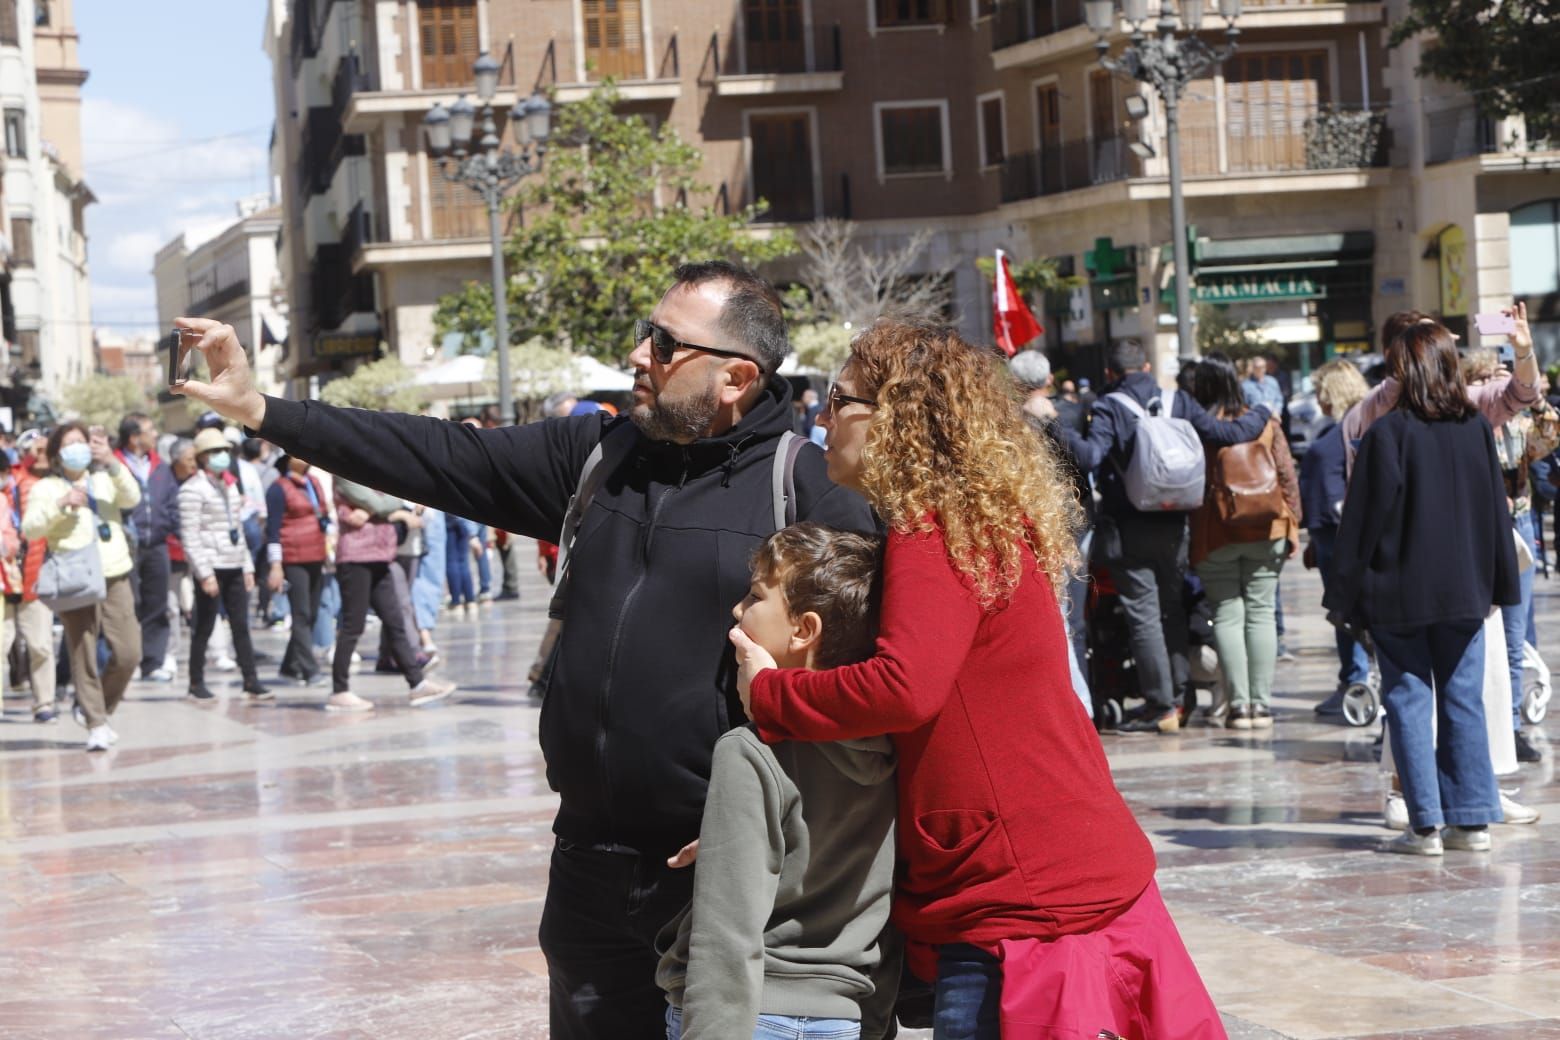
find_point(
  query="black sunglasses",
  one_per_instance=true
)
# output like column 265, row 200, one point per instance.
column 664, row 346
column 837, row 399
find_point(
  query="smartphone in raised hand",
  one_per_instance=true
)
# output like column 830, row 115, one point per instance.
column 1495, row 324
column 180, row 345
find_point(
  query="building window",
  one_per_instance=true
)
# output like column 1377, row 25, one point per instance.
column 896, row 14
column 41, row 15
column 1535, row 249
column 614, row 39
column 447, row 31
column 782, row 158
column 993, row 129
column 913, row 138
column 10, row 32
column 21, row 241
column 15, row 133
column 1268, row 98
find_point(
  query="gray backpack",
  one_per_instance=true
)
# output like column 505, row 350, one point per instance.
column 1167, row 470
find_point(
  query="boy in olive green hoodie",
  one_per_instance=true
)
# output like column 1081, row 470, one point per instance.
column 796, row 849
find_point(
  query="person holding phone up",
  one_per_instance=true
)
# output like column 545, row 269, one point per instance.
column 211, row 528
column 83, row 502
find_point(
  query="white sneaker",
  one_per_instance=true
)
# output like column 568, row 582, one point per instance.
column 430, row 690
column 347, row 701
column 224, row 663
column 161, row 675
column 1515, row 811
column 1466, row 840
column 1394, row 811
column 1410, row 844
column 98, row 738
column 170, row 665
column 113, row 737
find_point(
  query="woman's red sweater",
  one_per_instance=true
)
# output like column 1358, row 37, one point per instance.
column 1009, row 823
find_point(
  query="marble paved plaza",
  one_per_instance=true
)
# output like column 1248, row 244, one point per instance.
column 238, row 871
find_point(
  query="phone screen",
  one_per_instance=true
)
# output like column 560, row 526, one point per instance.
column 179, row 344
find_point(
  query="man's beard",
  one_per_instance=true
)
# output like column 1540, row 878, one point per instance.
column 678, row 421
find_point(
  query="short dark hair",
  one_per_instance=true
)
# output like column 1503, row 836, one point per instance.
column 129, row 426
column 1127, row 356
column 249, row 448
column 836, row 575
column 1423, row 358
column 752, row 314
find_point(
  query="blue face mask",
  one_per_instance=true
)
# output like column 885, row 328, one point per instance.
column 219, row 462
column 76, row 457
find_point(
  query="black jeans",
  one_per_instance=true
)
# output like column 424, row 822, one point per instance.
column 1147, row 561
column 151, row 604
column 231, row 592
column 305, row 581
column 364, row 585
column 604, row 907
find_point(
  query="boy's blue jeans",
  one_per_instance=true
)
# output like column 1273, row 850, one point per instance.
column 782, row 1027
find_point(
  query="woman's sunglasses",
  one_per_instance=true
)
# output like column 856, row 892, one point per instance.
column 664, row 346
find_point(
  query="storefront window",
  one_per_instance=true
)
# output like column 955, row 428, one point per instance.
column 1535, row 249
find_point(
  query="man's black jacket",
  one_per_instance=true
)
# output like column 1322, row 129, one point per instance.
column 643, row 683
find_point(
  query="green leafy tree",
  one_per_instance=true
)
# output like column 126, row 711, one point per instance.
column 616, row 208
column 1504, row 52
column 1033, row 278
column 384, row 385
column 100, row 400
column 1217, row 331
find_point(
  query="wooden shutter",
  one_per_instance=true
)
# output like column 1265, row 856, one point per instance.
column 10, row 33
column 456, row 210
column 1048, row 135
column 772, row 36
column 1200, row 129
column 782, row 164
column 993, row 133
column 22, row 241
column 614, row 39
column 1268, row 98
column 912, row 140
column 447, row 30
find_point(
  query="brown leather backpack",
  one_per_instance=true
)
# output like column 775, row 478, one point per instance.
column 1243, row 484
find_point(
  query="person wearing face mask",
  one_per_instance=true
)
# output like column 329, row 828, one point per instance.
column 81, row 504
column 297, row 521
column 211, row 528
column 34, row 621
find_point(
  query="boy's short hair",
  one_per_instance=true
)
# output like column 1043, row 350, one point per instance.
column 836, row 575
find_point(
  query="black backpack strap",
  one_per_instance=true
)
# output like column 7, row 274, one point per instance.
column 595, row 473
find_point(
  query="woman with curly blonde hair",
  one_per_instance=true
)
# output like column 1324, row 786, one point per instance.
column 1020, row 864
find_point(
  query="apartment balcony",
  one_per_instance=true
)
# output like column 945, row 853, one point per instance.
column 1026, row 32
column 335, row 292
column 1069, row 166
column 323, row 147
column 206, row 305
column 1335, row 150
column 808, row 61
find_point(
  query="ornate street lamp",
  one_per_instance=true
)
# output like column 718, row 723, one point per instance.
column 490, row 170
column 1168, row 58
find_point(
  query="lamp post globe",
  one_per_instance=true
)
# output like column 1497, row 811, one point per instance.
column 437, row 125
column 486, row 70
column 463, row 119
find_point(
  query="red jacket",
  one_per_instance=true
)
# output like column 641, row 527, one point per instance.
column 301, row 537
column 24, row 479
column 1009, row 823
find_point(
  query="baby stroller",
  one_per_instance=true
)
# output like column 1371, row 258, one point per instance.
column 1536, row 688
column 1112, row 672
column 1112, row 676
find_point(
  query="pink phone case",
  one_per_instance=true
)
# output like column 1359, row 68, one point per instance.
column 1495, row 324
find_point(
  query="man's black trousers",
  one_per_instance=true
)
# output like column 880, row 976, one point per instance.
column 604, row 907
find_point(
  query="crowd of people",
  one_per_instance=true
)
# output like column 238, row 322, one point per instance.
column 890, row 767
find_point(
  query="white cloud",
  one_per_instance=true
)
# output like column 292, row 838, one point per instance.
column 132, row 251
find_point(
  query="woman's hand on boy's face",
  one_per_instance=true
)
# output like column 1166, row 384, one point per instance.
column 751, row 659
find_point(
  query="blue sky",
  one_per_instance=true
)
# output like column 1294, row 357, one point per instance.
column 176, row 117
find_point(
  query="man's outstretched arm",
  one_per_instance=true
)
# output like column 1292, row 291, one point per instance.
column 518, row 478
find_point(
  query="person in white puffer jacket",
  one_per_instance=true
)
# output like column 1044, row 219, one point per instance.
column 212, row 530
